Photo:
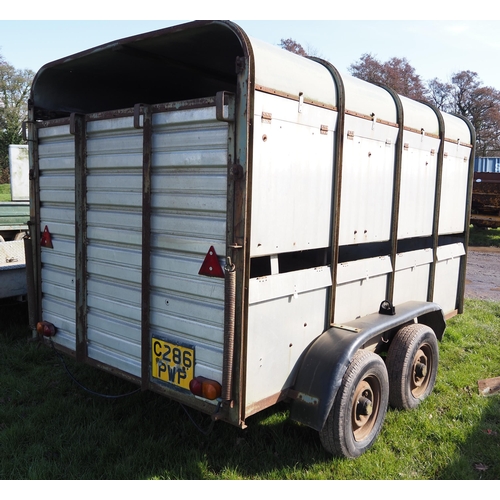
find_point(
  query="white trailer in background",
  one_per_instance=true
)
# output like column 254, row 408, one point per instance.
column 232, row 225
column 14, row 216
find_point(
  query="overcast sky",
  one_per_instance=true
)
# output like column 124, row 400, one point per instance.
column 444, row 41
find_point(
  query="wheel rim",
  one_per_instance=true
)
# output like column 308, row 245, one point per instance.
column 365, row 407
column 421, row 370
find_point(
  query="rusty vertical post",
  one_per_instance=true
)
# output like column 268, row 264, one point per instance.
column 147, row 128
column 78, row 129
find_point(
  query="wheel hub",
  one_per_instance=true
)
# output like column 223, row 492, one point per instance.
column 420, row 372
column 365, row 408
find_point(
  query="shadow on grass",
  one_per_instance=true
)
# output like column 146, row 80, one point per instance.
column 479, row 456
column 52, row 429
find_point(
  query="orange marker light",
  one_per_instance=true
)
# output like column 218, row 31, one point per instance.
column 45, row 328
column 205, row 388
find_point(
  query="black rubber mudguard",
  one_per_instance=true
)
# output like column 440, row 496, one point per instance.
column 327, row 358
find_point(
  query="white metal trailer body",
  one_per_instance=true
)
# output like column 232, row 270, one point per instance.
column 14, row 216
column 215, row 217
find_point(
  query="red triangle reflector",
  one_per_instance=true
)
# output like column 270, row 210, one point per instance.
column 211, row 265
column 46, row 240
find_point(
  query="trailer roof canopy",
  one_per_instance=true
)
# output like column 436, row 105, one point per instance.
column 193, row 60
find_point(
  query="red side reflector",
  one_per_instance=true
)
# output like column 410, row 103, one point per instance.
column 211, row 265
column 46, row 240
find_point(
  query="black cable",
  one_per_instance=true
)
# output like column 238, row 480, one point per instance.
column 210, row 427
column 108, row 396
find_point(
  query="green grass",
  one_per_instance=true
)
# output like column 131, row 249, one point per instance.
column 5, row 192
column 52, row 429
column 484, row 237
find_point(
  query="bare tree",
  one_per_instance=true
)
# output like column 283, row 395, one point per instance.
column 465, row 95
column 440, row 94
column 368, row 68
column 396, row 73
column 481, row 105
column 293, row 46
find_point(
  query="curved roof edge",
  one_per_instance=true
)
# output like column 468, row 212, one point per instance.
column 187, row 61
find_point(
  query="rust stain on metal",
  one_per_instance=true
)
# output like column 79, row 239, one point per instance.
column 266, row 117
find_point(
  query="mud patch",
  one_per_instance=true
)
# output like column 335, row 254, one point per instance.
column 483, row 273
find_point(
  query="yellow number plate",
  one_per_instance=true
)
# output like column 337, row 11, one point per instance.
column 172, row 363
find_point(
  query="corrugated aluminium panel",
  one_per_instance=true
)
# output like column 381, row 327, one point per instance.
column 189, row 203
column 114, row 186
column 57, row 212
column 189, row 193
column 14, row 216
column 491, row 165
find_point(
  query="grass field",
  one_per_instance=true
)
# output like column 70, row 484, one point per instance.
column 489, row 237
column 52, row 429
column 4, row 192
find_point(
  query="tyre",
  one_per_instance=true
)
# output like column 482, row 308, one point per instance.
column 359, row 409
column 412, row 363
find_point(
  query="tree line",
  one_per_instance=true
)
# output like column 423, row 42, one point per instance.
column 465, row 94
column 15, row 86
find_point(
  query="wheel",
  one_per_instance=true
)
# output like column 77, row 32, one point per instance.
column 359, row 409
column 412, row 363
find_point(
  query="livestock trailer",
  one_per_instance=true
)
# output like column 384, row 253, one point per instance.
column 232, row 225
